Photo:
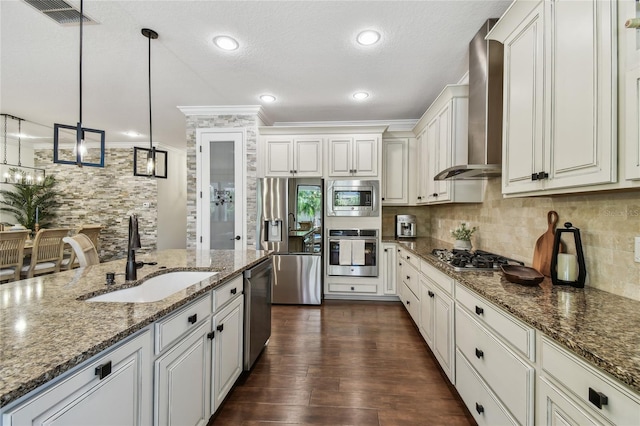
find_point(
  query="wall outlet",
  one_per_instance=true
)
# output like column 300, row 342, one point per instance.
column 146, row 204
column 637, row 250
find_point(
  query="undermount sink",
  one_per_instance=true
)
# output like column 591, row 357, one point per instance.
column 155, row 288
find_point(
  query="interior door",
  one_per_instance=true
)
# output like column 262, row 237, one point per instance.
column 221, row 201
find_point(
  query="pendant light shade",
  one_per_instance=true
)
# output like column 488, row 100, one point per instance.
column 17, row 173
column 77, row 144
column 150, row 162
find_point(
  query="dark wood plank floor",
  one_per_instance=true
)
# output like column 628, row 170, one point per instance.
column 344, row 363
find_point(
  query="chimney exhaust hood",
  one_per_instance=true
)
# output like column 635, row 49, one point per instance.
column 485, row 110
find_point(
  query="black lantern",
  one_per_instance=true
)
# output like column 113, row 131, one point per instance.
column 566, row 268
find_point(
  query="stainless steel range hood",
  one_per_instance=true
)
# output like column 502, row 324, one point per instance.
column 485, row 110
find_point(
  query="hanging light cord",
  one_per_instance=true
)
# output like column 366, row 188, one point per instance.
column 150, row 122
column 5, row 138
column 81, row 21
column 19, row 141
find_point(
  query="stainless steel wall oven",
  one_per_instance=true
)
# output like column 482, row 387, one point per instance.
column 353, row 252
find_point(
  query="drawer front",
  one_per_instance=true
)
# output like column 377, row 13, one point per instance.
column 481, row 402
column 411, row 259
column 412, row 305
column 622, row 405
column 516, row 333
column 172, row 328
column 226, row 292
column 443, row 280
column 410, row 278
column 559, row 409
column 353, row 288
column 495, row 362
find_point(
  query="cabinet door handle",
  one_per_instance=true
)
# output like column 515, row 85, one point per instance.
column 479, row 353
column 408, row 257
column 597, row 398
column 386, row 250
column 382, row 198
column 479, row 310
column 435, row 194
column 534, row 176
column 103, row 370
column 193, row 319
column 407, row 302
column 419, row 198
column 291, row 171
column 234, row 290
column 211, row 335
column 479, row 408
column 408, row 277
column 220, row 327
column 543, row 175
column 430, row 293
column 353, row 288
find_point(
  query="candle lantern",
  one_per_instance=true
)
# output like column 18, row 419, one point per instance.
column 566, row 268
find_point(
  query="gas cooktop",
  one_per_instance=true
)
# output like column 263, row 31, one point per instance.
column 472, row 261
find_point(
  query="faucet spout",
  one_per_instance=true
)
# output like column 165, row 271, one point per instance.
column 132, row 245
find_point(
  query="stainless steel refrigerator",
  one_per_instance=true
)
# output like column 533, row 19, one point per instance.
column 290, row 212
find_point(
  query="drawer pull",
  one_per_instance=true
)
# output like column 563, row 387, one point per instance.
column 103, row 370
column 408, row 258
column 234, row 290
column 479, row 353
column 193, row 319
column 597, row 398
column 220, row 327
column 353, row 288
column 479, row 310
column 479, row 408
column 407, row 302
column 211, row 335
column 430, row 293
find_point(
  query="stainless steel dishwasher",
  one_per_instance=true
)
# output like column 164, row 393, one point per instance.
column 257, row 313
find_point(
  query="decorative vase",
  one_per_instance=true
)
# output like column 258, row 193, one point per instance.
column 462, row 245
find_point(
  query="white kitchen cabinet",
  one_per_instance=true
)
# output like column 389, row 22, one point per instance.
column 443, row 335
column 183, row 381
column 422, row 167
column 389, row 268
column 395, row 171
column 629, row 10
column 293, row 156
column 560, row 85
column 427, row 309
column 228, row 350
column 555, row 407
column 443, row 135
column 113, row 388
column 353, row 155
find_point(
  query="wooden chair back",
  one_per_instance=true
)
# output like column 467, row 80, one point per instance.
column 84, row 249
column 46, row 255
column 11, row 253
column 91, row 231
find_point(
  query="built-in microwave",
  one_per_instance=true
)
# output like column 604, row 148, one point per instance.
column 352, row 198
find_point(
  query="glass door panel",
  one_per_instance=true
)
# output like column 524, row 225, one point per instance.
column 222, row 195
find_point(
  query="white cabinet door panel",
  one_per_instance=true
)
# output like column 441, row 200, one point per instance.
column 340, row 157
column 308, row 157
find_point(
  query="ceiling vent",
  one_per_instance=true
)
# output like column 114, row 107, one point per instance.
column 60, row 11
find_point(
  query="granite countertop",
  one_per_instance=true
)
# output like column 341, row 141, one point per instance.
column 600, row 327
column 44, row 320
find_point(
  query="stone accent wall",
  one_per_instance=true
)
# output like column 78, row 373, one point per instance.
column 608, row 221
column 105, row 196
column 250, row 124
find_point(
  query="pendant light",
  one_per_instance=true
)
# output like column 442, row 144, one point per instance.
column 150, row 162
column 84, row 142
column 12, row 173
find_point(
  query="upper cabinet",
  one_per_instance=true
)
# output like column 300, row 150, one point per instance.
column 560, row 103
column 355, row 155
column 289, row 156
column 631, row 35
column 395, row 171
column 442, row 138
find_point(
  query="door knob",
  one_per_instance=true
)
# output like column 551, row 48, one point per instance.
column 236, row 238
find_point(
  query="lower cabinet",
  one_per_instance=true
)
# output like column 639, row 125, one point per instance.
column 114, row 388
column 227, row 350
column 183, row 377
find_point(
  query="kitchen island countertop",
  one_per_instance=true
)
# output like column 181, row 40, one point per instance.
column 47, row 327
column 602, row 328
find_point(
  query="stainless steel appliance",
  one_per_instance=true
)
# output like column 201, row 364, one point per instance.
column 353, row 198
column 257, row 314
column 353, row 252
column 472, row 261
column 406, row 226
column 297, row 262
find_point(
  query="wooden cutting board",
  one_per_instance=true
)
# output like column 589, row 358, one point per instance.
column 544, row 246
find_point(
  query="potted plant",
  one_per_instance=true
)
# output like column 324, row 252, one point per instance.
column 23, row 199
column 463, row 234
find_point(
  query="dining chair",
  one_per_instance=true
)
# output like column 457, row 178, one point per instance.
column 11, row 254
column 83, row 249
column 46, row 255
column 71, row 261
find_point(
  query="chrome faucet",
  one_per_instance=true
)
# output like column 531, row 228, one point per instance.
column 132, row 246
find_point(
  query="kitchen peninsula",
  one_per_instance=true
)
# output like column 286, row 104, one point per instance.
column 47, row 327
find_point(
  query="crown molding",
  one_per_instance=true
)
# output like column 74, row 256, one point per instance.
column 391, row 125
column 323, row 130
column 226, row 110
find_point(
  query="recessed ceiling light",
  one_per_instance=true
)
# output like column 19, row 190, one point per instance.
column 360, row 95
column 368, row 37
column 132, row 134
column 268, row 98
column 226, row 43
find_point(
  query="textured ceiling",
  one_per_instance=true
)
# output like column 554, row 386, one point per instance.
column 303, row 52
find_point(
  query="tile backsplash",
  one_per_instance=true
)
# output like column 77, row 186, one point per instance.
column 608, row 223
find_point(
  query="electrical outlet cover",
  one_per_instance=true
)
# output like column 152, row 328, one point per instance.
column 637, row 250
